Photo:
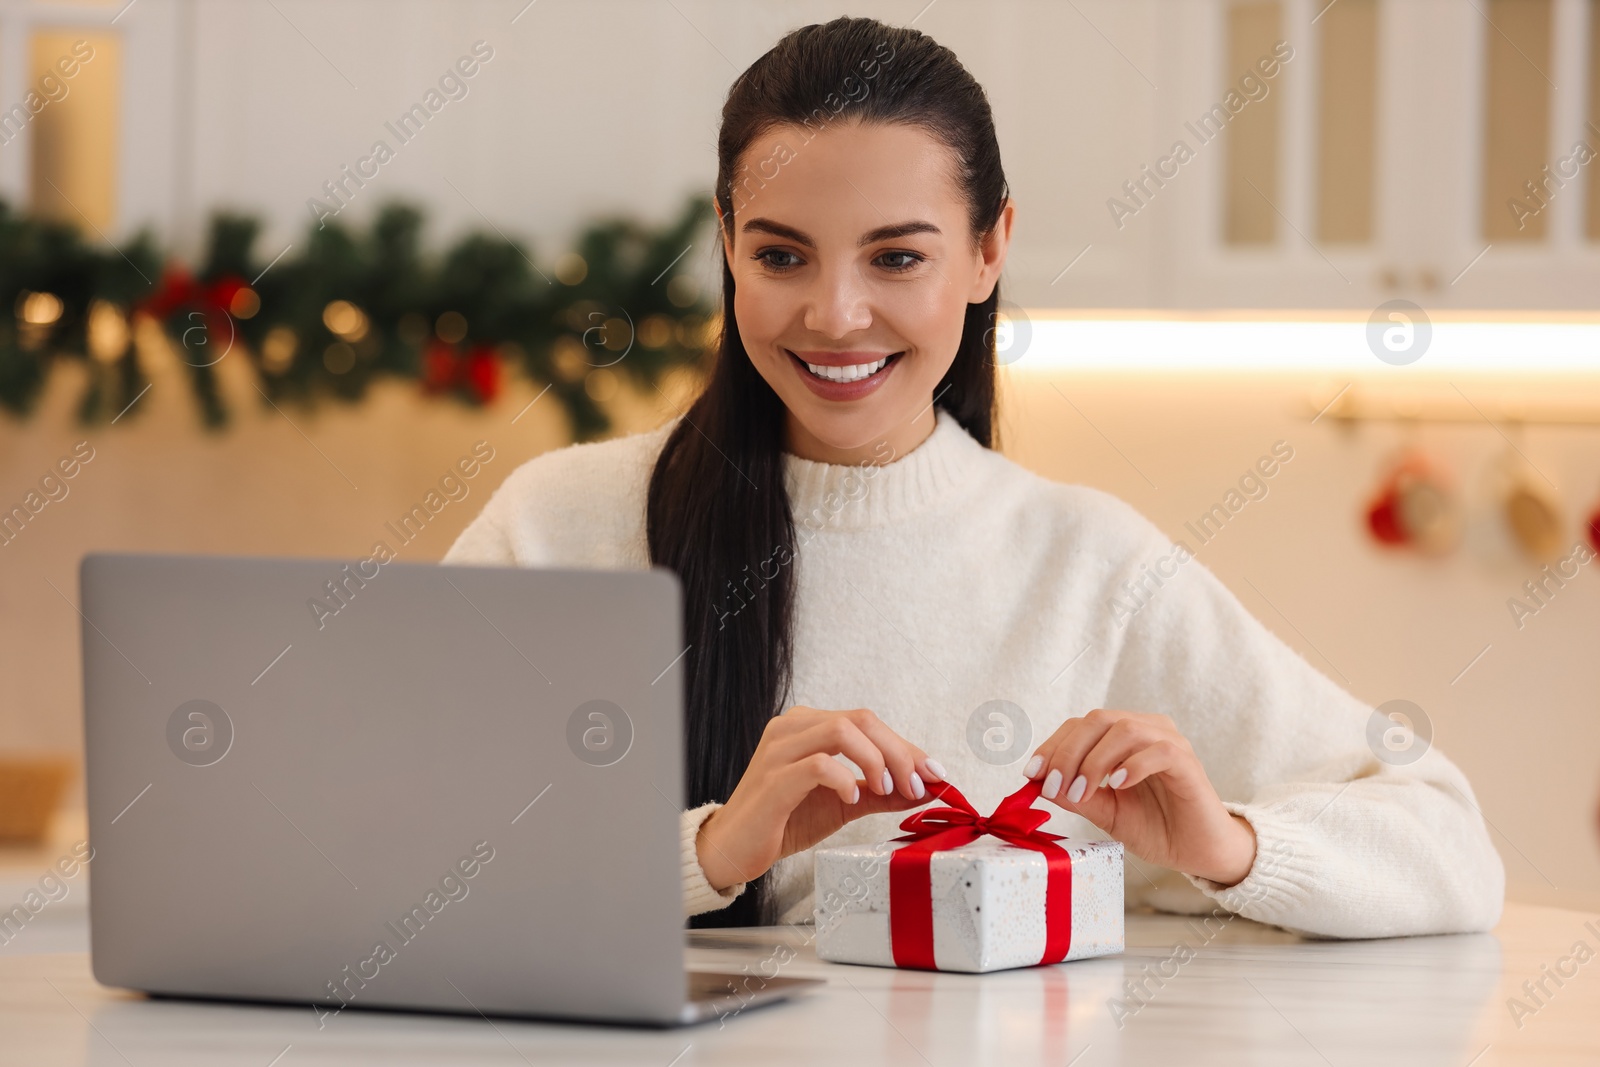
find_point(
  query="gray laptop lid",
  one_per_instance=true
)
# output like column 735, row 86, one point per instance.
column 422, row 786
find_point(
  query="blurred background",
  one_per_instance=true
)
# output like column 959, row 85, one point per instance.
column 268, row 268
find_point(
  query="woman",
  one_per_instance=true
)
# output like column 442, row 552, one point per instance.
column 865, row 577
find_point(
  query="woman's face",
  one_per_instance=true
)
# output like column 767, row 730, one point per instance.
column 851, row 249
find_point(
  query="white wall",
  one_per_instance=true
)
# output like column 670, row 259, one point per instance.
column 612, row 106
column 586, row 109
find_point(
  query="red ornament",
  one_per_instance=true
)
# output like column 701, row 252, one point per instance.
column 177, row 288
column 439, row 367
column 482, row 372
column 1594, row 529
column 477, row 372
column 223, row 291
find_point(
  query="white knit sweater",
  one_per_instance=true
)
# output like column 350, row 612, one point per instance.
column 952, row 577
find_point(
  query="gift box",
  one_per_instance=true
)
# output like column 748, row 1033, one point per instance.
column 966, row 892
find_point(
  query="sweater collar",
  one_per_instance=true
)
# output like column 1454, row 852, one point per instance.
column 848, row 496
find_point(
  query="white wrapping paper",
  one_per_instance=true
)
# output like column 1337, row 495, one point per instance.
column 988, row 904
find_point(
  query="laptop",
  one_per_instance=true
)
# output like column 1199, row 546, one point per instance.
column 363, row 784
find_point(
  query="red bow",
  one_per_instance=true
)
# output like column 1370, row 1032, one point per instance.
column 1014, row 821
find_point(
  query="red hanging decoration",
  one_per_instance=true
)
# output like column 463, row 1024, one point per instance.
column 1417, row 506
column 1382, row 520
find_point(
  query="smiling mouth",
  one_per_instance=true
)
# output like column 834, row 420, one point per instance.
column 852, row 373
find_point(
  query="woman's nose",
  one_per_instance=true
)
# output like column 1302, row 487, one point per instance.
column 837, row 304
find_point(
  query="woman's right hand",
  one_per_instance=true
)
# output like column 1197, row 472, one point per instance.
column 795, row 793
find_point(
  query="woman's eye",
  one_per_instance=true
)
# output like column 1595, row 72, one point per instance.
column 894, row 262
column 761, row 257
column 911, row 260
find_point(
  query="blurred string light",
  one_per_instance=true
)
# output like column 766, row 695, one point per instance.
column 683, row 290
column 108, row 332
column 571, row 269
column 344, row 320
column 655, row 331
column 37, row 314
column 278, row 349
column 450, row 327
column 39, row 309
column 602, row 384
column 244, row 304
column 455, row 320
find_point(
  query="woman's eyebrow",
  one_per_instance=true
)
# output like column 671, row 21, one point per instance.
column 882, row 233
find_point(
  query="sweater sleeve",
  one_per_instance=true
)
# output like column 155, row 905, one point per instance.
column 486, row 541
column 698, row 894
column 1354, row 839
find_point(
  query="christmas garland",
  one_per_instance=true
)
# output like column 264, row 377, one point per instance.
column 341, row 307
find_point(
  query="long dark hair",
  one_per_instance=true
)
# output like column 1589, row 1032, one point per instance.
column 718, row 513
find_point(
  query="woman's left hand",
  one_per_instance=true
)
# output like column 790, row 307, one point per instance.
column 1158, row 801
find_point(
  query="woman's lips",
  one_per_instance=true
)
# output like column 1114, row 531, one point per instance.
column 852, row 390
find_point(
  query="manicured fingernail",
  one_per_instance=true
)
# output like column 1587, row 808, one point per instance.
column 1052, row 785
column 1033, row 767
column 917, row 789
column 1118, row 776
column 888, row 782
column 856, row 796
column 935, row 768
column 1075, row 790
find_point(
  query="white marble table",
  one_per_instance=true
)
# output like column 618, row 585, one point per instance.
column 1244, row 994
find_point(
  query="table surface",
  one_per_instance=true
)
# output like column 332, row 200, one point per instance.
column 1236, row 994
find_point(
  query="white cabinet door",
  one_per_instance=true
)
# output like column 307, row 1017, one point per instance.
column 1279, row 209
column 1553, row 259
column 1248, row 232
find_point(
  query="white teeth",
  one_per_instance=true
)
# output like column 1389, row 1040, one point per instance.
column 847, row 374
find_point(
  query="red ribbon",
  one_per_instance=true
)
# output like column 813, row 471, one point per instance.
column 1014, row 821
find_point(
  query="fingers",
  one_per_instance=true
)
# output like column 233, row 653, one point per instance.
column 1107, row 761
column 818, row 769
column 1058, row 758
column 905, row 761
column 1079, row 756
column 837, row 735
column 889, row 763
column 1159, row 757
column 821, row 770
